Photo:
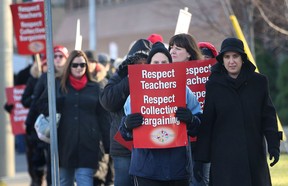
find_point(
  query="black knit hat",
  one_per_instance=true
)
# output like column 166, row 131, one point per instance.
column 159, row 47
column 232, row 45
column 90, row 55
column 103, row 58
column 141, row 46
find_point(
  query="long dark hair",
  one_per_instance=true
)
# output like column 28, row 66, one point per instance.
column 188, row 42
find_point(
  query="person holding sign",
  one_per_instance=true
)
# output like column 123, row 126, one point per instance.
column 35, row 148
column 60, row 56
column 183, row 47
column 238, row 114
column 112, row 99
column 161, row 166
column 208, row 50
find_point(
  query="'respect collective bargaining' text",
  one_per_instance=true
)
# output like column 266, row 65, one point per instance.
column 158, row 90
column 153, row 104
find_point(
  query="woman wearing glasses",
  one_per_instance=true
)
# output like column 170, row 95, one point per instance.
column 83, row 121
column 60, row 57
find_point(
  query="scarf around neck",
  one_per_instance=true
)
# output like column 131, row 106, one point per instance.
column 78, row 84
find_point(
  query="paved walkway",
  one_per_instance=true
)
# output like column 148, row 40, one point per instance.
column 21, row 177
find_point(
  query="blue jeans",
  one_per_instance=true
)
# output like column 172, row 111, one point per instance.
column 121, row 168
column 20, row 143
column 83, row 176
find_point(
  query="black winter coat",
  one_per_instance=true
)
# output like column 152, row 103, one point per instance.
column 237, row 115
column 113, row 99
column 82, row 124
column 28, row 101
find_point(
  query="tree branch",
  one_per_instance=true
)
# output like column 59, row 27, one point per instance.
column 272, row 25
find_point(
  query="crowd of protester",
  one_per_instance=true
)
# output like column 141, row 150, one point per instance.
column 92, row 96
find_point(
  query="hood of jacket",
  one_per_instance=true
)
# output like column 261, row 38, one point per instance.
column 219, row 74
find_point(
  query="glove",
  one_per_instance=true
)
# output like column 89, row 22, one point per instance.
column 273, row 140
column 198, row 171
column 274, row 153
column 133, row 120
column 8, row 107
column 185, row 115
column 123, row 68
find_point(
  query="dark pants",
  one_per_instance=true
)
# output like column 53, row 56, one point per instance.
column 140, row 181
column 35, row 158
column 48, row 164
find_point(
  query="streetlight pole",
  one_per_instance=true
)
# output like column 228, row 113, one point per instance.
column 92, row 25
column 7, row 156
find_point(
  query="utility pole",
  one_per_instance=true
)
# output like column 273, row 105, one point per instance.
column 92, row 25
column 55, row 179
column 7, row 156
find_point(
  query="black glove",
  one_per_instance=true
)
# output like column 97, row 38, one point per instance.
column 123, row 68
column 198, row 171
column 273, row 140
column 274, row 153
column 8, row 107
column 133, row 120
column 185, row 115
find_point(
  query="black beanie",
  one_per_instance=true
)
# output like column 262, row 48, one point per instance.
column 232, row 45
column 159, row 47
column 89, row 55
column 141, row 46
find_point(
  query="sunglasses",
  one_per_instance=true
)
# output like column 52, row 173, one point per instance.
column 75, row 65
column 60, row 56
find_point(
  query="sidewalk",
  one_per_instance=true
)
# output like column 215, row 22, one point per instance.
column 21, row 177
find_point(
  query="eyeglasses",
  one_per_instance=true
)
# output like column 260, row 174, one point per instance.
column 75, row 65
column 60, row 56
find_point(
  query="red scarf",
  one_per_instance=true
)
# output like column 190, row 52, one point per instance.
column 78, row 84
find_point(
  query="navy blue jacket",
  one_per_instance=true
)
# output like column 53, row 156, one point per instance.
column 162, row 164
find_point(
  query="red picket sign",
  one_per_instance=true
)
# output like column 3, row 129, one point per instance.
column 19, row 113
column 156, row 91
column 29, row 27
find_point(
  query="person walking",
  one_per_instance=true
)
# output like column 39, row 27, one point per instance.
column 208, row 50
column 35, row 148
column 112, row 99
column 60, row 56
column 183, row 47
column 159, row 167
column 83, row 122
column 238, row 114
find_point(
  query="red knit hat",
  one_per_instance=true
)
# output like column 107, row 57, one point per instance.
column 61, row 49
column 208, row 46
column 155, row 38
